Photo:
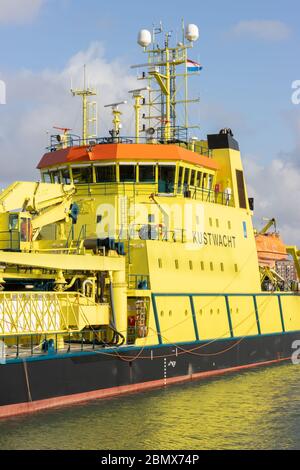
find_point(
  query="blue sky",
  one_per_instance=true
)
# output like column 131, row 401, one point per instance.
column 249, row 51
column 243, row 74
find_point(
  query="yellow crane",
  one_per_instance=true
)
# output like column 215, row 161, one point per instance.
column 27, row 207
column 295, row 253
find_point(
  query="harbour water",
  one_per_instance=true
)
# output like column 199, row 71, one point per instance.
column 257, row 409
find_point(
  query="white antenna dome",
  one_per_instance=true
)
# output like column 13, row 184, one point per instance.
column 144, row 38
column 192, row 32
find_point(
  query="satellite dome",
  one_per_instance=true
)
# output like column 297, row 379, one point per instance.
column 192, row 32
column 144, row 38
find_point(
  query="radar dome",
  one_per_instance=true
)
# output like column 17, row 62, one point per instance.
column 144, row 38
column 192, row 32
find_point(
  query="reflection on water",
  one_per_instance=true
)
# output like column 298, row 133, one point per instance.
column 259, row 409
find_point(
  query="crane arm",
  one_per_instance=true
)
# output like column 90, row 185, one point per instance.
column 266, row 228
column 34, row 197
column 295, row 253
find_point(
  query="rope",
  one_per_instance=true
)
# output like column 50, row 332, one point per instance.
column 187, row 351
column 27, row 380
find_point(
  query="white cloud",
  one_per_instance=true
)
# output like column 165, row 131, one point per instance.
column 267, row 30
column 38, row 101
column 19, row 11
column 276, row 189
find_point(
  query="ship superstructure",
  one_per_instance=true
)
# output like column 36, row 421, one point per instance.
column 134, row 263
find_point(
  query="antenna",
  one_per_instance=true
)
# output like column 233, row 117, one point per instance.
column 115, row 105
column 137, row 95
column 64, row 138
column 89, row 109
column 168, row 69
column 116, row 117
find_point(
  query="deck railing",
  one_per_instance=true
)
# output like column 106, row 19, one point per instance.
column 146, row 189
column 179, row 137
column 41, row 312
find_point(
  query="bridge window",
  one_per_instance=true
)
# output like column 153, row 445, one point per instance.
column 82, row 175
column 166, row 178
column 147, row 173
column 46, row 177
column 180, row 181
column 55, row 177
column 198, row 179
column 127, row 173
column 210, row 181
column 65, row 176
column 106, row 174
column 186, row 177
column 193, row 174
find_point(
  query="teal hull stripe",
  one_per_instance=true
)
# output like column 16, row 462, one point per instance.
column 212, row 294
column 194, row 318
column 156, row 319
column 281, row 313
column 229, row 316
column 257, row 315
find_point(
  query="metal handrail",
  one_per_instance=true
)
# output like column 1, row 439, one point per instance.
column 76, row 141
column 83, row 341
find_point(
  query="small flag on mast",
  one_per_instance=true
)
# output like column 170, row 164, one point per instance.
column 193, row 66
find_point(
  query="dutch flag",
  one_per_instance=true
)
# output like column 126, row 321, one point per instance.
column 193, row 66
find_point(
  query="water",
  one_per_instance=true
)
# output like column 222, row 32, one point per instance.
column 259, row 409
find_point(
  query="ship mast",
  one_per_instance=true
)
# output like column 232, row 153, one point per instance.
column 138, row 103
column 89, row 110
column 167, row 66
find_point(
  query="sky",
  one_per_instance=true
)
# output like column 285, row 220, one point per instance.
column 250, row 57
